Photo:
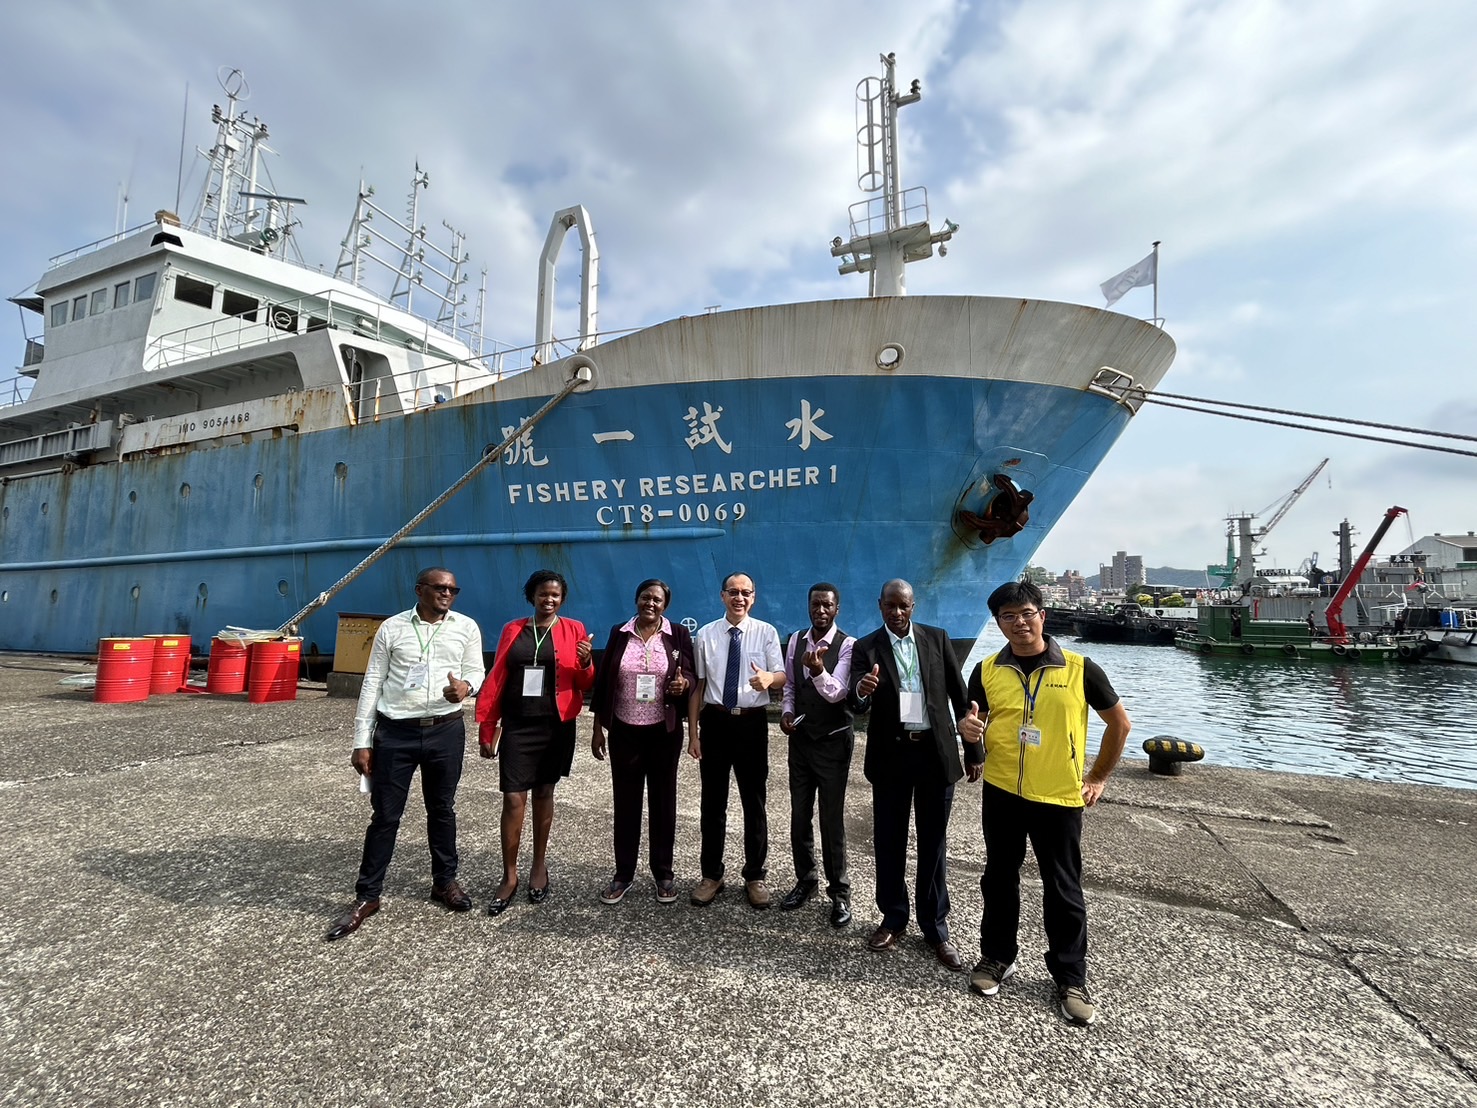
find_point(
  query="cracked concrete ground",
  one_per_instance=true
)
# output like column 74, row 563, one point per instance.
column 1258, row 939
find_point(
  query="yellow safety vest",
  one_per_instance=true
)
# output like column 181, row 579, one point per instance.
column 1051, row 772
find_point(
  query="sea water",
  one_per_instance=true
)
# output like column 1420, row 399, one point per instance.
column 1414, row 723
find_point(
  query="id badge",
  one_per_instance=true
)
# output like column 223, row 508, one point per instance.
column 645, row 688
column 533, row 680
column 910, row 705
column 417, row 676
column 1030, row 736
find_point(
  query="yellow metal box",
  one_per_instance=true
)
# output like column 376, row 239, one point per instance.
column 355, row 636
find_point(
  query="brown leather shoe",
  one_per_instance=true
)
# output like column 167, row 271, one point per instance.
column 349, row 922
column 882, row 939
column 948, row 956
column 758, row 893
column 706, row 891
column 453, row 896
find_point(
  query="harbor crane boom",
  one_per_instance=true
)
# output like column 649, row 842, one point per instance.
column 1246, row 561
column 1337, row 631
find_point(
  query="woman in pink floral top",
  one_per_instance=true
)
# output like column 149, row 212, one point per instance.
column 642, row 685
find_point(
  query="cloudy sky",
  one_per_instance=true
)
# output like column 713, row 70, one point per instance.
column 1309, row 167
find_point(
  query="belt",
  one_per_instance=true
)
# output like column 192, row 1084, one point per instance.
column 916, row 736
column 417, row 721
column 719, row 708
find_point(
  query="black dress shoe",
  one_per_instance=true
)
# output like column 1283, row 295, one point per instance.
column 882, row 939
column 948, row 956
column 499, row 904
column 797, row 896
column 538, row 896
column 349, row 922
column 840, row 912
column 453, row 896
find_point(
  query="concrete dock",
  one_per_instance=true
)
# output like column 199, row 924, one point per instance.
column 1257, row 939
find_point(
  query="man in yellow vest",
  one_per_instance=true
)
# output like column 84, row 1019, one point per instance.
column 1034, row 696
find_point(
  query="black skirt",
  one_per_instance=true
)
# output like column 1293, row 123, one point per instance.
column 537, row 747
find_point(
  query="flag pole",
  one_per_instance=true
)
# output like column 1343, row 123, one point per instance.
column 1157, row 320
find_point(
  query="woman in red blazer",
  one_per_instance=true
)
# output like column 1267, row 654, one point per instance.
column 526, row 711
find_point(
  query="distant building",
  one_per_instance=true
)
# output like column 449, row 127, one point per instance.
column 1443, row 551
column 1074, row 584
column 1126, row 572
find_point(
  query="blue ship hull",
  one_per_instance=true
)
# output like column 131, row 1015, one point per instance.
column 843, row 474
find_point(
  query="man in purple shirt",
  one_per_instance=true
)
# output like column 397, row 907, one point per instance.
column 818, row 718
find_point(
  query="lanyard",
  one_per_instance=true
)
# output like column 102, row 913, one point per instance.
column 909, row 672
column 538, row 640
column 1030, row 693
column 425, row 644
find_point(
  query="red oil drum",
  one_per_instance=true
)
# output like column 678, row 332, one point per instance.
column 226, row 672
column 124, row 670
column 272, row 671
column 171, row 665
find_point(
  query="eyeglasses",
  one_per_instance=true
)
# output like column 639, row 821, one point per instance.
column 739, row 592
column 452, row 589
column 1018, row 617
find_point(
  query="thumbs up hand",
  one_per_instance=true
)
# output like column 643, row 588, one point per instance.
column 584, row 650
column 869, row 682
column 456, row 690
column 762, row 679
column 971, row 727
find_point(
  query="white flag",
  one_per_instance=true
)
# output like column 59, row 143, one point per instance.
column 1141, row 273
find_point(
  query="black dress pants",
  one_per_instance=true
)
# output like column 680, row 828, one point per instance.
column 820, row 765
column 644, row 758
column 740, row 745
column 917, row 788
column 399, row 749
column 1055, row 834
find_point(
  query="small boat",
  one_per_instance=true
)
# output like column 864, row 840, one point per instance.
column 1230, row 630
column 1132, row 623
column 1441, row 634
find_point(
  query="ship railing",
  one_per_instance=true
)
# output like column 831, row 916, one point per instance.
column 16, row 390
column 408, row 391
column 331, row 309
column 93, row 247
column 873, row 217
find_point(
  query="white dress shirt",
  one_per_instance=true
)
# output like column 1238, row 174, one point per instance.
column 453, row 644
column 760, row 643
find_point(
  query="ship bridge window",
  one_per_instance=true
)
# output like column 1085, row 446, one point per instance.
column 59, row 313
column 191, row 291
column 120, row 294
column 79, row 308
column 239, row 305
column 99, row 302
column 143, row 288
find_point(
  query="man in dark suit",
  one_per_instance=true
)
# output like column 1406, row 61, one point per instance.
column 907, row 675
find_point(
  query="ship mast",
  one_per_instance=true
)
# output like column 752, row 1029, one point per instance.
column 889, row 229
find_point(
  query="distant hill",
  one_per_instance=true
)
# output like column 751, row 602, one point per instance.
column 1163, row 575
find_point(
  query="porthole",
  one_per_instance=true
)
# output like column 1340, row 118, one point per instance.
column 133, row 592
column 257, row 481
column 6, row 513
column 203, row 591
column 54, row 595
column 132, row 497
column 341, row 471
column 45, row 507
column 184, row 491
column 4, row 596
column 282, row 587
column 891, row 355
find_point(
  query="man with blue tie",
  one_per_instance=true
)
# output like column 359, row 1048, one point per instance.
column 907, row 676
column 738, row 662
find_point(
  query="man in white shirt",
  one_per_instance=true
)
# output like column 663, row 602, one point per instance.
column 738, row 662
column 818, row 719
column 410, row 717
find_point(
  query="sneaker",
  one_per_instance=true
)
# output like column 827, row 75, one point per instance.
column 666, row 892
column 1076, row 1005
column 987, row 976
column 758, row 893
column 706, row 892
column 615, row 892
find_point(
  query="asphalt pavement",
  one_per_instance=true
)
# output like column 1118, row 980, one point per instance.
column 171, row 866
